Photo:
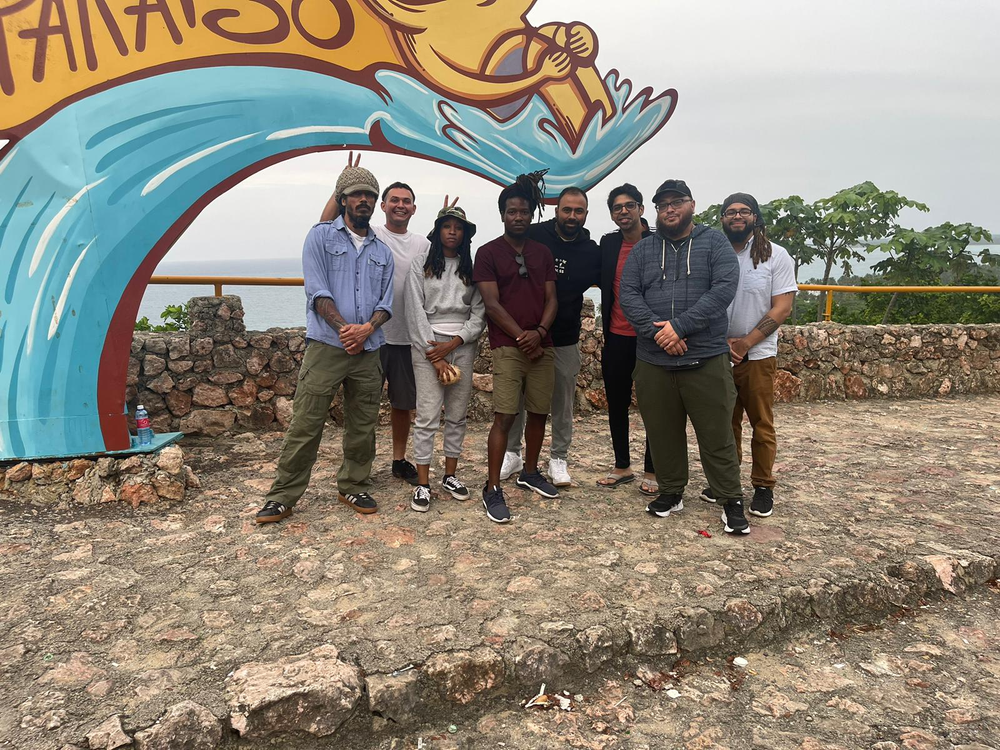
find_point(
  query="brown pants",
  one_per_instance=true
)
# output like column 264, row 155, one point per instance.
column 755, row 396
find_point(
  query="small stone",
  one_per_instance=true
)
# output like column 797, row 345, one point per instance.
column 283, row 411
column 171, row 460
column 77, row 468
column 225, row 377
column 185, row 726
column 281, row 362
column 153, row 365
column 395, row 697
column 162, row 384
column 137, row 493
column 108, row 735
column 739, row 661
column 462, row 675
column 168, row 487
column 19, row 473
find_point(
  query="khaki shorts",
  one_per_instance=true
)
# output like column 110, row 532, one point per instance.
column 514, row 374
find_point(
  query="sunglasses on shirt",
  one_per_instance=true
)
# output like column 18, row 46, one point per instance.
column 522, row 268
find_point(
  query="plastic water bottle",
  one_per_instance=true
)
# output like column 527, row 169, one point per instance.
column 142, row 425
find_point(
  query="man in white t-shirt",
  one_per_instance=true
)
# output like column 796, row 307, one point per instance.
column 399, row 205
column 763, row 302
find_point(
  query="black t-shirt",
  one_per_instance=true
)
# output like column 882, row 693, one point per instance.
column 578, row 267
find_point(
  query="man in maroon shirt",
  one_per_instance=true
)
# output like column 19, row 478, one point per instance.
column 516, row 277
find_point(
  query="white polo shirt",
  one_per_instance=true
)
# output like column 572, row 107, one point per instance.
column 753, row 298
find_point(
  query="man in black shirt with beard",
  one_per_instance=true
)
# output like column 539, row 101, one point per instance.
column 578, row 267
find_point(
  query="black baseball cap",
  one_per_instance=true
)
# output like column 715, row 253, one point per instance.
column 672, row 186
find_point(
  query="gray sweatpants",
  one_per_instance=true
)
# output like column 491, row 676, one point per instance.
column 432, row 395
column 563, row 400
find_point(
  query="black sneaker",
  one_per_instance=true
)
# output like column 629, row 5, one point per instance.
column 732, row 516
column 708, row 496
column 362, row 502
column 762, row 505
column 496, row 506
column 457, row 490
column 537, row 483
column 403, row 469
column 421, row 501
column 664, row 505
column 272, row 512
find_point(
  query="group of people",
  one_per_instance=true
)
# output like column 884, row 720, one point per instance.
column 690, row 317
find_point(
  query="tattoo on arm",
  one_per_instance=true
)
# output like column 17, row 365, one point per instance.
column 379, row 319
column 767, row 325
column 327, row 310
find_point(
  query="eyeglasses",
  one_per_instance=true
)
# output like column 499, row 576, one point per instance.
column 675, row 204
column 630, row 206
column 522, row 269
column 732, row 213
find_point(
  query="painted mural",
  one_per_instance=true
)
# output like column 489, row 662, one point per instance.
column 125, row 118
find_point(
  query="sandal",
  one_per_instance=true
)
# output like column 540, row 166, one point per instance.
column 649, row 487
column 616, row 479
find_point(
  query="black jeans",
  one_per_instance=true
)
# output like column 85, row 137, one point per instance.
column 617, row 364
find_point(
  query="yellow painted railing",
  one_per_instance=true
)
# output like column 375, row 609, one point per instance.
column 217, row 282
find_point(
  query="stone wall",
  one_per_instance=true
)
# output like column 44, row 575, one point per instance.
column 218, row 377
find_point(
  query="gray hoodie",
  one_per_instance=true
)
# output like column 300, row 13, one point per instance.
column 689, row 283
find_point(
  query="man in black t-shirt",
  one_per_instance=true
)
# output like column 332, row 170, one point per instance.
column 577, row 260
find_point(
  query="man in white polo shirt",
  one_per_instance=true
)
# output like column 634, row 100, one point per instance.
column 763, row 302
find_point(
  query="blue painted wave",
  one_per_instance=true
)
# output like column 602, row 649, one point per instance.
column 96, row 186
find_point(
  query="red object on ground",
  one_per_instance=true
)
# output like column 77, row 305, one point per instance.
column 705, row 534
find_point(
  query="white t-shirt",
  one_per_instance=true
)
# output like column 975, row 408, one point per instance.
column 753, row 298
column 405, row 247
column 357, row 239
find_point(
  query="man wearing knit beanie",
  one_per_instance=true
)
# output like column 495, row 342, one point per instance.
column 763, row 301
column 348, row 275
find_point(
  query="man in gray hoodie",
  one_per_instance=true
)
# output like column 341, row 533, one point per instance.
column 675, row 290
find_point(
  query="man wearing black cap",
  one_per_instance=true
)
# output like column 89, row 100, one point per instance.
column 675, row 290
column 763, row 302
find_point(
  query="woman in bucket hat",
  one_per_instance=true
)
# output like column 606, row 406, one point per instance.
column 445, row 315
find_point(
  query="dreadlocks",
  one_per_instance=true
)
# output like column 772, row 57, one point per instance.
column 760, row 251
column 434, row 266
column 531, row 187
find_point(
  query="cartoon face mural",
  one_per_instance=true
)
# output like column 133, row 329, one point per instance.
column 125, row 118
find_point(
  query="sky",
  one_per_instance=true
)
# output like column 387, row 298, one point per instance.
column 776, row 98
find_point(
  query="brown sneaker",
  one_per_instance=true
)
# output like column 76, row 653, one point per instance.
column 362, row 502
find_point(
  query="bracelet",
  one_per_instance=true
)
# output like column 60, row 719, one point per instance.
column 544, row 329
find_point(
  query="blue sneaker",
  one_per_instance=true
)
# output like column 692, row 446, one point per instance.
column 496, row 506
column 537, row 483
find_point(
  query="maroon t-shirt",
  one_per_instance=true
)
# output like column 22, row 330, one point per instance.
column 522, row 298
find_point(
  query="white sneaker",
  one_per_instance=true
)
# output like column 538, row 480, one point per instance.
column 558, row 473
column 512, row 464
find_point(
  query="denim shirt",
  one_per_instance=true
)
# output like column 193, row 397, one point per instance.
column 358, row 281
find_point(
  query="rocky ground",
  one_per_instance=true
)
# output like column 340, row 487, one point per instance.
column 445, row 618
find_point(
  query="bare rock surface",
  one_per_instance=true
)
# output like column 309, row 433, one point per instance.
column 185, row 726
column 313, row 693
column 880, row 507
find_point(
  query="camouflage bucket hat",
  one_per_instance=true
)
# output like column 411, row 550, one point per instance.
column 454, row 212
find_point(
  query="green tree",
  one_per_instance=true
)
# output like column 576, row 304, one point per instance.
column 935, row 255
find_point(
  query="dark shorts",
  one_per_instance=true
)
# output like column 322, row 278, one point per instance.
column 397, row 368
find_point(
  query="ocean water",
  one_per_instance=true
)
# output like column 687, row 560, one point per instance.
column 265, row 307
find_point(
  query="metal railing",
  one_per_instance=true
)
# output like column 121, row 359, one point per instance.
column 831, row 288
column 217, row 282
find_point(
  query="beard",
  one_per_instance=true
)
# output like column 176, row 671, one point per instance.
column 738, row 235
column 569, row 230
column 359, row 221
column 680, row 231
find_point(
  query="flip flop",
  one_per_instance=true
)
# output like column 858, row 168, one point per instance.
column 651, row 492
column 617, row 480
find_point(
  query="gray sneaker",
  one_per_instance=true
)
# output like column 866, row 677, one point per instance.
column 537, row 483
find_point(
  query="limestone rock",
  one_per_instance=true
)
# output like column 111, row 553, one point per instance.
column 283, row 411
column 313, row 693
column 136, row 493
column 178, row 402
column 650, row 637
column 19, row 473
column 209, row 395
column 395, row 697
column 171, row 460
column 108, row 735
column 185, row 726
column 211, row 422
column 536, row 662
column 597, row 647
column 698, row 629
column 462, row 675
column 153, row 365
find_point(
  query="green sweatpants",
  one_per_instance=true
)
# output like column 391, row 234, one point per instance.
column 324, row 369
column 707, row 395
